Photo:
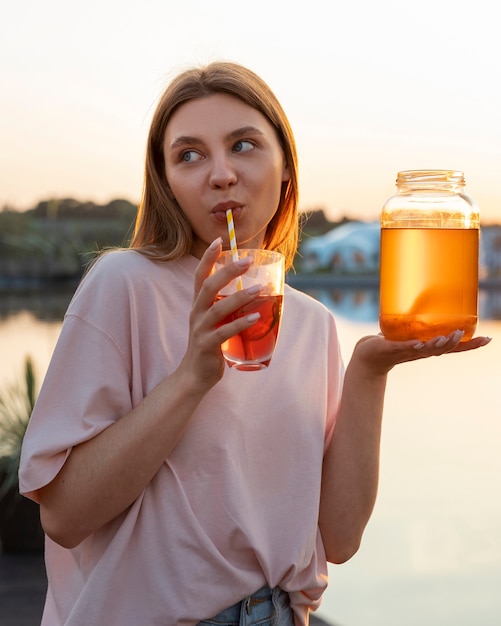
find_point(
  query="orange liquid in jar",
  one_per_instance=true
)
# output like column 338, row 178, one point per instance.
column 428, row 282
column 253, row 348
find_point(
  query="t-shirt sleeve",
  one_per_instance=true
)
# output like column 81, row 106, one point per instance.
column 85, row 390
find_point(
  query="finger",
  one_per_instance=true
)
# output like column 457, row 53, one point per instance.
column 206, row 264
column 223, row 332
column 225, row 305
column 450, row 343
column 213, row 284
column 446, row 343
column 472, row 344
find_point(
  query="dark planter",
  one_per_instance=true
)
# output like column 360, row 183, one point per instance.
column 20, row 528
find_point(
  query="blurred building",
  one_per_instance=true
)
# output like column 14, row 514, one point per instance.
column 350, row 248
column 490, row 251
column 354, row 248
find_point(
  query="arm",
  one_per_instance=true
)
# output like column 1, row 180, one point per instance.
column 351, row 463
column 103, row 476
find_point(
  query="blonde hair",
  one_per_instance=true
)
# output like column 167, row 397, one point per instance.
column 162, row 229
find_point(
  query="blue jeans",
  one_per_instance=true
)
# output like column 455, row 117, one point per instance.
column 266, row 607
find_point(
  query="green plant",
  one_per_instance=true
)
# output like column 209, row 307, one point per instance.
column 16, row 406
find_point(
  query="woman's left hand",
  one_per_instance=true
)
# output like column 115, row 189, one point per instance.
column 383, row 354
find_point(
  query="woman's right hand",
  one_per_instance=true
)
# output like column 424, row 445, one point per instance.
column 203, row 356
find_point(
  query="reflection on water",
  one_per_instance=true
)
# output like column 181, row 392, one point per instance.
column 44, row 304
column 362, row 305
column 432, row 550
column 358, row 305
column 355, row 304
column 30, row 322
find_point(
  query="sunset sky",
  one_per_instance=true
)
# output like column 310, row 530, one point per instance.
column 371, row 88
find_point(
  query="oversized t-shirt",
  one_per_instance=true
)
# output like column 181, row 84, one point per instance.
column 235, row 505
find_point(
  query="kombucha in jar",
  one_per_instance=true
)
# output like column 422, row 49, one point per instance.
column 429, row 257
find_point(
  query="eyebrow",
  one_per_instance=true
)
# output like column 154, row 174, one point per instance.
column 245, row 130
column 184, row 140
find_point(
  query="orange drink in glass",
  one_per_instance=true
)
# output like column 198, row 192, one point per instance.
column 252, row 349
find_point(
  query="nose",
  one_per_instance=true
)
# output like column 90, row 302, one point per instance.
column 222, row 173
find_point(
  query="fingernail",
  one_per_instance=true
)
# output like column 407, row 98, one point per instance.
column 418, row 345
column 486, row 340
column 458, row 335
column 253, row 317
column 254, row 289
column 441, row 342
column 244, row 262
column 216, row 244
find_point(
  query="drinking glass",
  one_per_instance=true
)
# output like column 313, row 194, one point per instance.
column 252, row 349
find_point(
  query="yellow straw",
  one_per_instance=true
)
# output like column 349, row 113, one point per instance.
column 233, row 242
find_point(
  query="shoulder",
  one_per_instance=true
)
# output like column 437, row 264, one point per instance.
column 119, row 262
column 124, row 278
column 130, row 265
column 305, row 312
column 309, row 327
column 304, row 303
column 113, row 280
column 121, row 268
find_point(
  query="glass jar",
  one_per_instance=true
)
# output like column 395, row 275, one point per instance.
column 429, row 257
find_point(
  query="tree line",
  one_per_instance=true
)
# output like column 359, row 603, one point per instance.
column 57, row 238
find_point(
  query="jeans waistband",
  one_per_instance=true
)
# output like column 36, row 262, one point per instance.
column 262, row 607
column 261, row 595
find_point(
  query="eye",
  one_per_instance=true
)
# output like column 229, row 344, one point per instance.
column 188, row 156
column 243, row 146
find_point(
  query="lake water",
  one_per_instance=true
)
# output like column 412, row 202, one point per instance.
column 431, row 553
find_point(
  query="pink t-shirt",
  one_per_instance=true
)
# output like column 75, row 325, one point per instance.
column 235, row 505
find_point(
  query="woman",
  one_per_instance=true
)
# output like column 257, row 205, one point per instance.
column 171, row 488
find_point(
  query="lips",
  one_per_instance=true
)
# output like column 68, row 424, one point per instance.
column 219, row 210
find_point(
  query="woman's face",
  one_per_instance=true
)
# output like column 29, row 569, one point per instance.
column 221, row 153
